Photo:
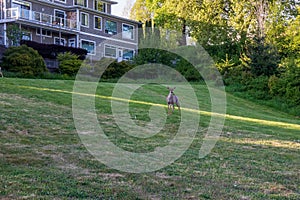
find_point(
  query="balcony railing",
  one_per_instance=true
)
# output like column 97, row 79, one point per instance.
column 41, row 18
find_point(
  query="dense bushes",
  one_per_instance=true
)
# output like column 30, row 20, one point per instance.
column 283, row 86
column 287, row 85
column 117, row 70
column 23, row 60
column 69, row 63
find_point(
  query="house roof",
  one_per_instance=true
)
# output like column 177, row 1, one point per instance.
column 111, row 2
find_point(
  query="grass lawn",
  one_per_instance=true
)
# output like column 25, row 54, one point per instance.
column 42, row 156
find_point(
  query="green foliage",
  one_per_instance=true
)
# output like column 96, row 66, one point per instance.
column 116, row 70
column 258, row 87
column 170, row 59
column 69, row 63
column 225, row 65
column 23, row 60
column 14, row 34
column 188, row 71
column 287, row 84
column 264, row 58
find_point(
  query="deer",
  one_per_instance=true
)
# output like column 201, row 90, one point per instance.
column 172, row 99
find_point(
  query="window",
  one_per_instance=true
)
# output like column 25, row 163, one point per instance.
column 100, row 6
column 23, row 8
column 128, row 54
column 80, row 3
column 110, row 51
column 111, row 27
column 84, row 19
column 127, row 31
column 60, row 41
column 26, row 36
column 98, row 23
column 59, row 17
column 45, row 32
column 71, row 42
column 62, row 1
column 89, row 46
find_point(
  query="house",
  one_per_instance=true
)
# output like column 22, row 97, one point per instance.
column 86, row 24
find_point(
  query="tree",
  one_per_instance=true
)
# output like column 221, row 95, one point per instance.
column 14, row 34
column 23, row 60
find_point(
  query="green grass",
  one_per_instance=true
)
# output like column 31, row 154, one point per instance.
column 42, row 157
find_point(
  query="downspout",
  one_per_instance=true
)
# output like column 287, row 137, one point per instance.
column 41, row 35
column 4, row 25
column 78, row 28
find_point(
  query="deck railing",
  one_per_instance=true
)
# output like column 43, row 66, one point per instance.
column 40, row 18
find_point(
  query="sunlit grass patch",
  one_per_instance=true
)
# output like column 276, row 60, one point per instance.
column 265, row 143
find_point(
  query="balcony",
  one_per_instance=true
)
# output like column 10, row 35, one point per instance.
column 40, row 18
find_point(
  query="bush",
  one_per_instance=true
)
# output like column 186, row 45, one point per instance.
column 23, row 60
column 258, row 88
column 287, row 85
column 117, row 70
column 69, row 63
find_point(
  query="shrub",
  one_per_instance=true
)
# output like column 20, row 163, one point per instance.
column 23, row 60
column 258, row 87
column 117, row 70
column 69, row 63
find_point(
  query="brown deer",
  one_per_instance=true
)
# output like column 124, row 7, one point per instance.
column 172, row 99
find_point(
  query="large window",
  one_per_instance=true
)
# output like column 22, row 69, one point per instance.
column 110, row 51
column 98, row 22
column 46, row 33
column 84, row 19
column 26, row 36
column 80, row 3
column 100, row 6
column 23, row 8
column 60, row 41
column 128, row 54
column 89, row 46
column 127, row 31
column 59, row 17
column 111, row 27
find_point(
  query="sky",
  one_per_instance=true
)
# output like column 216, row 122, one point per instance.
column 119, row 8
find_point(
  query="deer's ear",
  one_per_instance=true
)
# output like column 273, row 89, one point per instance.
column 174, row 88
column 168, row 88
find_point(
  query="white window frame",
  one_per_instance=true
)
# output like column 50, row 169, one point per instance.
column 133, row 30
column 23, row 3
column 60, row 1
column 116, row 27
column 129, row 50
column 104, row 4
column 88, row 21
column 86, row 2
column 30, row 36
column 91, row 41
column 110, row 46
column 38, row 29
column 100, row 24
column 64, row 43
column 64, row 19
column 70, row 41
